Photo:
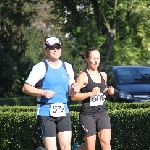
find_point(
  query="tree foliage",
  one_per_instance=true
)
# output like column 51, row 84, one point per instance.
column 18, row 48
column 119, row 29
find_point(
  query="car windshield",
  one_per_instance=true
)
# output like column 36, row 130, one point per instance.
column 133, row 75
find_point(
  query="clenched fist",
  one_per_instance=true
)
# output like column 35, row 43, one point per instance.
column 96, row 91
column 48, row 93
column 111, row 90
column 74, row 89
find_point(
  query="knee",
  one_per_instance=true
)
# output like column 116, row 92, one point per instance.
column 65, row 146
column 105, row 144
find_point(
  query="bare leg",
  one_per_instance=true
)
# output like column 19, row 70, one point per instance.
column 50, row 143
column 89, row 143
column 105, row 137
column 65, row 140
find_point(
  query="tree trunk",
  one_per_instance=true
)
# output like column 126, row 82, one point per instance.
column 111, row 28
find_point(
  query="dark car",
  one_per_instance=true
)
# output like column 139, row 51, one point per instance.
column 131, row 83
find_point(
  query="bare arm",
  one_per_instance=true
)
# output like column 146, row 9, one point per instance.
column 81, row 81
column 107, row 90
column 30, row 90
column 105, row 79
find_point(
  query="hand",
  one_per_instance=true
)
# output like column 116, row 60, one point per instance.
column 105, row 91
column 74, row 89
column 96, row 91
column 48, row 94
column 111, row 90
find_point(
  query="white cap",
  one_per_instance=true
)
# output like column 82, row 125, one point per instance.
column 51, row 41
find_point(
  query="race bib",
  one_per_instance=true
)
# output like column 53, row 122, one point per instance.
column 57, row 110
column 97, row 100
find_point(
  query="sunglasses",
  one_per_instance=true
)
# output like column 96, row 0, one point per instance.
column 53, row 47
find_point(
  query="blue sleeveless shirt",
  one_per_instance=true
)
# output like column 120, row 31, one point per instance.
column 56, row 80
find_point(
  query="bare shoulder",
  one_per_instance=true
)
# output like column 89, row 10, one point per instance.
column 82, row 79
column 82, row 75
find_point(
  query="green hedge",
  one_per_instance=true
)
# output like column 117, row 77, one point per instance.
column 130, row 129
column 133, row 105
column 76, row 107
column 19, row 131
column 18, row 109
column 116, row 106
column 20, row 101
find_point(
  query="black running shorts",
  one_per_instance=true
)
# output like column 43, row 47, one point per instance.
column 91, row 124
column 50, row 126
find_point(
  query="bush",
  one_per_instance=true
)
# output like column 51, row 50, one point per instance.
column 20, row 101
column 130, row 129
column 25, row 101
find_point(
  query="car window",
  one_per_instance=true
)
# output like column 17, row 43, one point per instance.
column 133, row 75
column 124, row 76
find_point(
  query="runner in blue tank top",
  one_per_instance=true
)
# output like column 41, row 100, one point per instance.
column 52, row 110
column 93, row 116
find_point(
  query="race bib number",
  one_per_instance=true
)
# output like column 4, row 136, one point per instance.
column 57, row 110
column 97, row 100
